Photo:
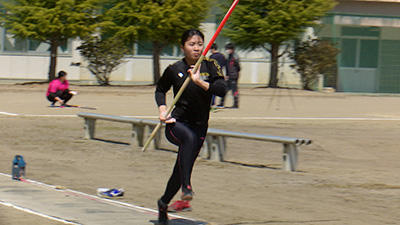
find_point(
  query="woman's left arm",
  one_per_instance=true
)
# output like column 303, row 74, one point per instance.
column 217, row 81
column 216, row 84
column 197, row 80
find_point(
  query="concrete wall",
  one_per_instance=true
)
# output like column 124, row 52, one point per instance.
column 139, row 70
column 25, row 66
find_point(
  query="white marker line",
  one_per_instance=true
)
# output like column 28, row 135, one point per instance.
column 143, row 117
column 234, row 118
column 306, row 118
column 94, row 198
column 9, row 114
column 36, row 115
column 37, row 213
column 283, row 118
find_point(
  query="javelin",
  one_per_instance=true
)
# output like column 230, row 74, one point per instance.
column 196, row 66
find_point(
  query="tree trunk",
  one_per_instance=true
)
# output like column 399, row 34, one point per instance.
column 273, row 79
column 156, row 61
column 53, row 59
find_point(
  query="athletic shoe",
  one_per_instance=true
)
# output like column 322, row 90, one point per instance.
column 187, row 193
column 162, row 213
column 111, row 193
column 215, row 110
column 180, row 206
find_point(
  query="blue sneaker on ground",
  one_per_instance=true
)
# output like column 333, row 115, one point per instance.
column 111, row 193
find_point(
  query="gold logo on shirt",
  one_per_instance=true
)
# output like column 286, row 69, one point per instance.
column 204, row 76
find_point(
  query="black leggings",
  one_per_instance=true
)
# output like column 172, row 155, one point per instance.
column 64, row 95
column 190, row 139
column 232, row 85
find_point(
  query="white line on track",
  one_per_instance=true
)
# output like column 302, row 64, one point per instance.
column 37, row 213
column 30, row 211
column 87, row 196
column 307, row 118
column 234, row 118
column 9, row 114
column 38, row 115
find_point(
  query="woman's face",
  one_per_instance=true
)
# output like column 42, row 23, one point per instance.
column 63, row 78
column 193, row 49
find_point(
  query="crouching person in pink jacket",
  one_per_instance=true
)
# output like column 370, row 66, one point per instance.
column 58, row 90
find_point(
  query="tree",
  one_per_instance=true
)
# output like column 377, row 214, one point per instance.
column 50, row 21
column 269, row 23
column 160, row 22
column 103, row 56
column 314, row 57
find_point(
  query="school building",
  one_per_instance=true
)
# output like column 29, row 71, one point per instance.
column 367, row 33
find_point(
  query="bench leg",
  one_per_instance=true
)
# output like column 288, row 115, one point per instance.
column 157, row 138
column 137, row 135
column 205, row 152
column 217, row 148
column 89, row 127
column 289, row 158
column 206, row 148
column 222, row 149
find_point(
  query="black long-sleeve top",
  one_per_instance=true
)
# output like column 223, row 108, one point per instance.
column 193, row 107
column 232, row 66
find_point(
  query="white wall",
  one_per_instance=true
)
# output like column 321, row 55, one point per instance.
column 137, row 69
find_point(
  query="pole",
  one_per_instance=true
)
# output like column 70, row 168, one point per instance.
column 196, row 67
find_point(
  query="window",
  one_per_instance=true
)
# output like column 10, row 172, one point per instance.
column 361, row 31
column 349, row 53
column 9, row 44
column 146, row 48
column 359, row 53
column 360, row 47
column 369, row 53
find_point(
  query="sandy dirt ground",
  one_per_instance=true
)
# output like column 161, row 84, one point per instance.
column 348, row 175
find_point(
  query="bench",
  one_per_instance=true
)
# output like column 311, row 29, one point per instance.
column 214, row 147
column 140, row 127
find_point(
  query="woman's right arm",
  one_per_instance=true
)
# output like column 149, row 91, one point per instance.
column 53, row 86
column 163, row 85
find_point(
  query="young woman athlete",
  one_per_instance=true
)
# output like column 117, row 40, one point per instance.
column 187, row 125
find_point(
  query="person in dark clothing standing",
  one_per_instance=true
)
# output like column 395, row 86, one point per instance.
column 187, row 125
column 221, row 61
column 232, row 73
column 217, row 56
